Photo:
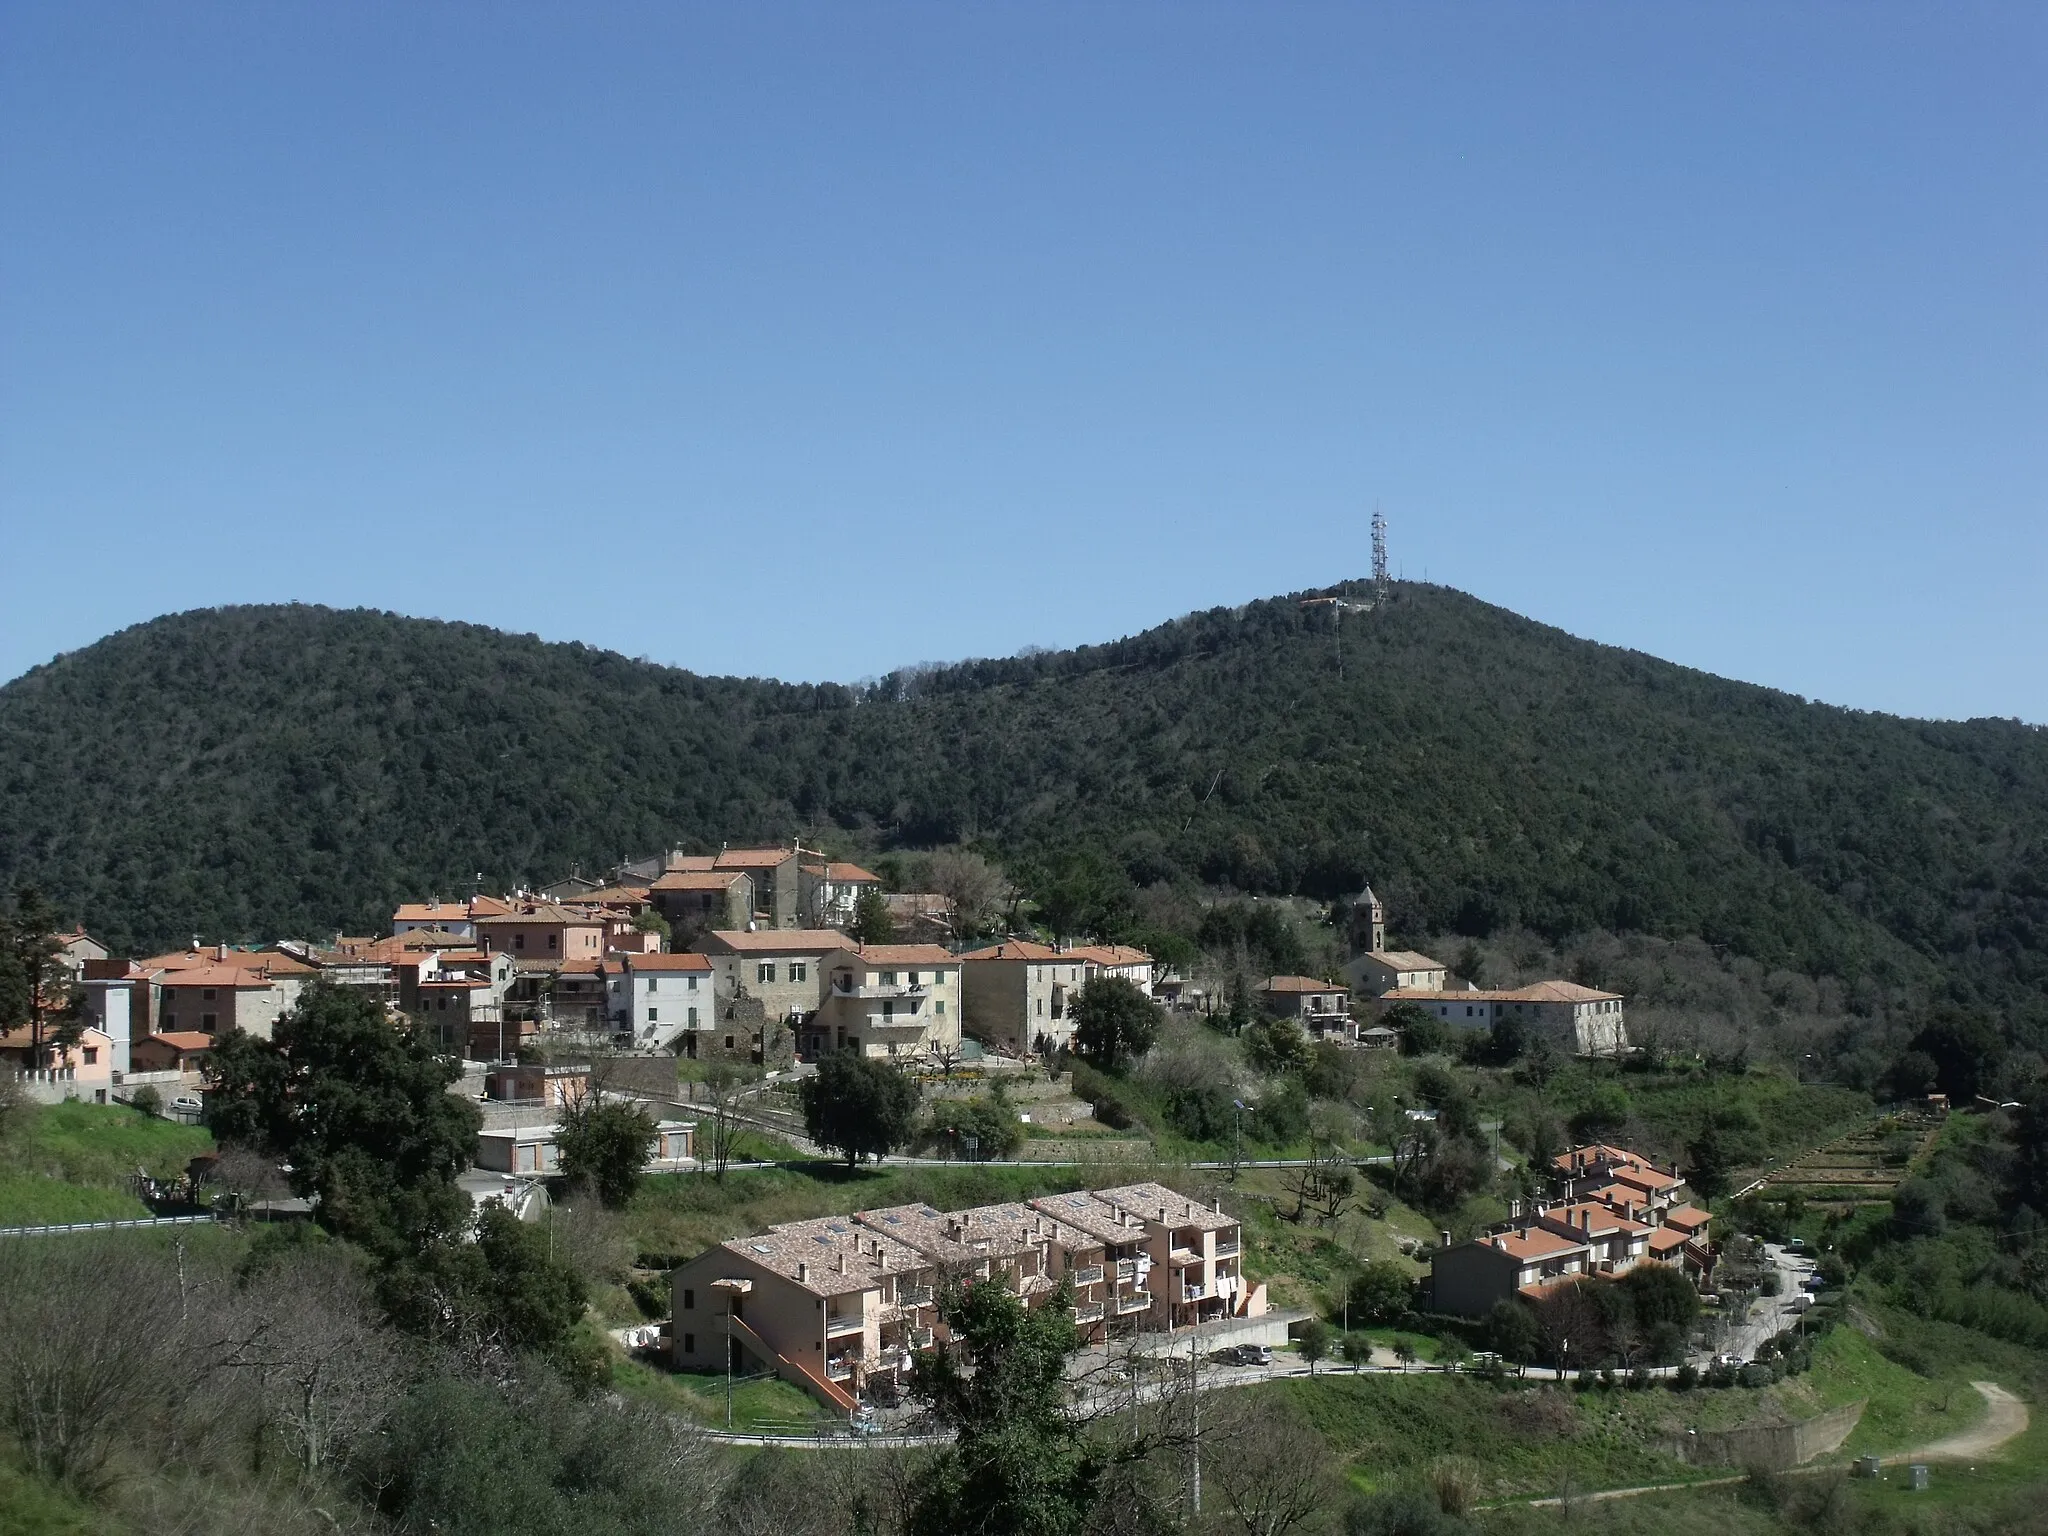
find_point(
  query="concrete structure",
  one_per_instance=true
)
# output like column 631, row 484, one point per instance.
column 1124, row 961
column 1018, row 994
column 1374, row 973
column 696, row 900
column 52, row 1074
column 1318, row 1005
column 519, row 1149
column 1575, row 1018
column 117, row 1003
column 840, row 1305
column 833, row 890
column 653, row 999
column 555, row 1087
column 780, row 968
column 885, row 1000
column 183, row 1051
column 543, row 930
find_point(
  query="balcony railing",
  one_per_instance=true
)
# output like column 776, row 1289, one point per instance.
column 1227, row 1248
column 914, row 1296
column 1088, row 1314
column 1193, row 1292
column 875, row 989
column 840, row 1367
column 1180, row 1258
column 843, row 1322
column 920, row 1338
column 1092, row 1275
column 1127, row 1269
column 1133, row 1301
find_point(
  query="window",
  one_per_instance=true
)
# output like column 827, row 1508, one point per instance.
column 519, row 941
column 654, row 1015
column 207, row 1021
column 206, row 995
column 1041, row 1007
column 693, row 1018
column 170, row 1022
column 939, row 1007
column 799, row 971
column 728, row 1042
column 888, row 978
column 888, row 1012
column 693, row 983
column 654, row 983
column 92, row 1054
column 689, row 1343
column 554, row 941
column 689, row 1300
column 169, row 993
column 765, row 971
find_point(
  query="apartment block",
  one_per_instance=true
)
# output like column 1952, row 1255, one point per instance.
column 893, row 1000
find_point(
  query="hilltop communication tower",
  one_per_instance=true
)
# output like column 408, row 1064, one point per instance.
column 1379, row 557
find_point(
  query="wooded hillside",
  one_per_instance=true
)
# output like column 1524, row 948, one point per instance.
column 266, row 770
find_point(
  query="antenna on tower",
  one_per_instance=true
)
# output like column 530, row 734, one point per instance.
column 1379, row 557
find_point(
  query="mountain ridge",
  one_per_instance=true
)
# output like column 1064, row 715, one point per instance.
column 278, row 768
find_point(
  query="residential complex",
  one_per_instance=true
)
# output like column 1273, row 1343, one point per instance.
column 1612, row 1211
column 842, row 1305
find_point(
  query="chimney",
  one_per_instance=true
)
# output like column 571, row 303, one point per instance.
column 220, row 950
column 1443, row 1238
column 842, row 1263
column 1162, row 1214
column 1219, row 1205
column 1514, row 1210
column 803, row 1273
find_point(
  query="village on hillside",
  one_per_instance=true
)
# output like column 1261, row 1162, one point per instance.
column 758, row 958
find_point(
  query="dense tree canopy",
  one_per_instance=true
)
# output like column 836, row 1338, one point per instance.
column 858, row 1106
column 359, row 1109
column 1114, row 1022
column 251, row 771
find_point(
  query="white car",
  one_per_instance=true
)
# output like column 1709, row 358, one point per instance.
column 1733, row 1362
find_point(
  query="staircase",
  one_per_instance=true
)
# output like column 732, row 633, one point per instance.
column 795, row 1372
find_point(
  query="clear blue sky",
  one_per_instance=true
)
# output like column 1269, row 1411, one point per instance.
column 812, row 340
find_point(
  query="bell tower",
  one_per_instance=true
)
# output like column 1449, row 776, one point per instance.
column 1368, row 924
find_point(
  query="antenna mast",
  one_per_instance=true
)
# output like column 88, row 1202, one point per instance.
column 1379, row 557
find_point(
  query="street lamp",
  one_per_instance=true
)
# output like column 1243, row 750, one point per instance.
column 734, row 1289
column 1238, row 1157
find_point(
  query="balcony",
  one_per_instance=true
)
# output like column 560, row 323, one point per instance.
column 1193, row 1292
column 920, row 1338
column 840, row 1367
column 842, row 1323
column 1133, row 1301
column 1127, row 1269
column 1089, row 1314
column 1227, row 1248
column 1180, row 1258
column 914, row 1296
column 1092, row 1275
column 875, row 989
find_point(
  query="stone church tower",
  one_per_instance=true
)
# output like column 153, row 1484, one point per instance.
column 1368, row 925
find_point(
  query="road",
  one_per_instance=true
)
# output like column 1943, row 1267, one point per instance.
column 2006, row 1421
column 1771, row 1315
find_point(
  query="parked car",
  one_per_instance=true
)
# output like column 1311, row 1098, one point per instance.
column 1243, row 1354
column 1732, row 1362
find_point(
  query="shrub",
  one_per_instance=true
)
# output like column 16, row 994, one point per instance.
column 1687, row 1378
column 147, row 1100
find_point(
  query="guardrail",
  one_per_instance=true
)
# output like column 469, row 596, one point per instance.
column 126, row 1224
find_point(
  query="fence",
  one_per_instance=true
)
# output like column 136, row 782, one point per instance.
column 125, row 1225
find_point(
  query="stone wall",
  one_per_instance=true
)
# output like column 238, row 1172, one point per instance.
column 1772, row 1447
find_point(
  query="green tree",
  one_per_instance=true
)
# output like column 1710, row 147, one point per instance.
column 505, row 1290
column 1404, row 1352
column 1422, row 1032
column 1356, row 1350
column 1602, row 1116
column 1114, row 1023
column 1512, row 1332
column 1966, row 1049
column 603, row 1142
column 1380, row 1292
column 1727, row 1140
column 872, row 922
column 1020, row 1463
column 858, row 1106
column 1276, row 1046
column 36, row 990
column 648, row 920
column 360, row 1110
column 1314, row 1342
column 993, row 1126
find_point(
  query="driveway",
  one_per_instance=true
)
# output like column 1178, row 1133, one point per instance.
column 2006, row 1420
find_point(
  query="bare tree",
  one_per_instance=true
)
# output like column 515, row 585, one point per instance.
column 1268, row 1468
column 975, row 887
column 726, row 1087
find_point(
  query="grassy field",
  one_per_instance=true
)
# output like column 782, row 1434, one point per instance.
column 73, row 1161
column 755, row 1404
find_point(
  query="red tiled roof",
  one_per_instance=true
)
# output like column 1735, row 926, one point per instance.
column 752, row 858
column 1017, row 949
column 231, row 976
column 1528, row 1243
column 901, row 954
column 776, row 941
column 182, row 1040
column 698, row 880
column 630, row 962
column 1299, row 984
column 1111, row 954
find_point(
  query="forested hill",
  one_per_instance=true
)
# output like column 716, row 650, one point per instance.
column 256, row 771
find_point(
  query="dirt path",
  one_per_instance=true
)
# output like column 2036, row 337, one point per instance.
column 2007, row 1419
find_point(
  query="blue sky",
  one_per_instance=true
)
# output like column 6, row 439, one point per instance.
column 812, row 340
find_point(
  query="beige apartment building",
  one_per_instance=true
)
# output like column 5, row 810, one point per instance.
column 840, row 1305
column 1019, row 994
column 899, row 1000
column 778, row 967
